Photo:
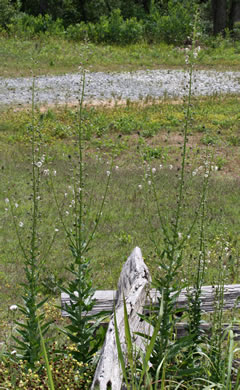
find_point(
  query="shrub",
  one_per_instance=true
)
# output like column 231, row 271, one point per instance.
column 23, row 24
column 177, row 26
column 7, row 11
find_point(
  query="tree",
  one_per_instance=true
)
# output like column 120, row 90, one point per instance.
column 219, row 10
column 234, row 13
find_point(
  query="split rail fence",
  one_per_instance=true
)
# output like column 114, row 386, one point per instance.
column 133, row 284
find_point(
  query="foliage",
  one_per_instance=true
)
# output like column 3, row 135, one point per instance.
column 30, row 26
column 80, row 234
column 65, row 369
column 28, row 344
column 7, row 11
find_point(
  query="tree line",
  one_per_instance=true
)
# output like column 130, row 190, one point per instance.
column 221, row 14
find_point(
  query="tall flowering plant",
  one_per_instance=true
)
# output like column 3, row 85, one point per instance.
column 27, row 338
column 80, row 234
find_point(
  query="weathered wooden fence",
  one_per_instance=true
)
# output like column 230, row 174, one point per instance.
column 134, row 283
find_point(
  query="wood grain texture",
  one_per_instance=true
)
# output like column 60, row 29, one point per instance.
column 133, row 282
column 231, row 298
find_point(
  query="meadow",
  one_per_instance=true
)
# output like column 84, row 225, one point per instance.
column 138, row 143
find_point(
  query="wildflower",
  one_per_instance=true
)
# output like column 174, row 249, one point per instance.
column 79, row 190
column 56, row 230
column 13, row 352
column 42, row 158
column 21, row 224
column 116, row 167
column 54, row 173
column 46, row 172
column 108, row 173
column 170, row 166
column 179, row 235
column 153, row 170
column 140, row 186
column 39, row 164
column 149, row 182
column 67, row 212
column 16, row 205
column 194, row 173
column 65, row 195
column 6, row 200
column 13, row 307
column 160, row 166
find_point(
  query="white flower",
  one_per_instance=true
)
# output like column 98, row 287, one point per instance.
column 39, row 164
column 46, row 172
column 65, row 194
column 170, row 166
column 179, row 235
column 14, row 352
column 108, row 173
column 73, row 202
column 194, row 173
column 21, row 224
column 38, row 197
column 79, row 190
column 140, row 186
column 188, row 237
column 16, row 205
column 42, row 158
column 149, row 182
column 160, row 166
column 13, row 307
column 153, row 170
column 6, row 200
column 116, row 167
column 67, row 212
column 54, row 173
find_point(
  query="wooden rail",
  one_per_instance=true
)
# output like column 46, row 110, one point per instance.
column 134, row 284
column 105, row 299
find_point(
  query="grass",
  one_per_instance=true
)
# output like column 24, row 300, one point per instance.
column 153, row 132
column 52, row 55
column 141, row 136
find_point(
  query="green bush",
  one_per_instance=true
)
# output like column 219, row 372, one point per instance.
column 7, row 11
column 113, row 29
column 177, row 26
column 174, row 26
column 23, row 24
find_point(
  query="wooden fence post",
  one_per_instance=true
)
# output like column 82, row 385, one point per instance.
column 133, row 284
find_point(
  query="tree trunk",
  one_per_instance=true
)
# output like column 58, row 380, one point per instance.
column 234, row 13
column 219, row 9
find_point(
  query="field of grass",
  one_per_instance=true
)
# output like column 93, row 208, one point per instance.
column 50, row 55
column 136, row 135
column 145, row 142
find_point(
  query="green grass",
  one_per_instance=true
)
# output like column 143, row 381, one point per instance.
column 138, row 135
column 52, row 55
column 152, row 132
